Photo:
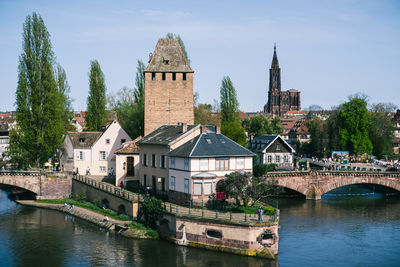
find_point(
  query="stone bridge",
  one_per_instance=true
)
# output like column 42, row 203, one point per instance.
column 44, row 185
column 313, row 184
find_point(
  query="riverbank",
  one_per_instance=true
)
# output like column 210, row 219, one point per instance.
column 135, row 230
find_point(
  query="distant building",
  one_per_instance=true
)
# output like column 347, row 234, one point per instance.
column 168, row 87
column 280, row 102
column 273, row 149
column 93, row 150
column 7, row 122
column 396, row 139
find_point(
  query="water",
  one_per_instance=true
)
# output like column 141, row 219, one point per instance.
column 356, row 231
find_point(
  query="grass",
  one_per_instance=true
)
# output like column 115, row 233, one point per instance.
column 89, row 206
column 268, row 210
column 149, row 232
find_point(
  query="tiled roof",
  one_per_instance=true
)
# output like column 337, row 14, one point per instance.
column 210, row 145
column 129, row 147
column 168, row 57
column 166, row 134
column 83, row 139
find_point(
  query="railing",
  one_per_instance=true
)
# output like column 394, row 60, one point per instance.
column 106, row 187
column 224, row 216
column 20, row 173
column 180, row 210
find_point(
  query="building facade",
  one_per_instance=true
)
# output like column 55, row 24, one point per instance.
column 168, row 87
column 280, row 102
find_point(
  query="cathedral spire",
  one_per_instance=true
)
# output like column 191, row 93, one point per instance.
column 275, row 63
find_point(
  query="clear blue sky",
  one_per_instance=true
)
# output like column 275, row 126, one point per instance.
column 326, row 49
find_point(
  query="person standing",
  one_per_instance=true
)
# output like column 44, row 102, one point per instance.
column 261, row 214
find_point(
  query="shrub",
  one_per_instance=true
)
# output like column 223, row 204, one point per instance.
column 152, row 211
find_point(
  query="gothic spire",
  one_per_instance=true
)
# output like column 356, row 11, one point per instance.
column 275, row 64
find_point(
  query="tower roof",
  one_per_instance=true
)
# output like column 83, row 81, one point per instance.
column 168, row 57
column 275, row 64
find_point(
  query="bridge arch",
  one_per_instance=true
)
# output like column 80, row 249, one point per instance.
column 24, row 181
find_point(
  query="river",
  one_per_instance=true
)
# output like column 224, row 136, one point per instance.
column 346, row 231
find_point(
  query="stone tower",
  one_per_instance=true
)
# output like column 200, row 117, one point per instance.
column 280, row 102
column 168, row 87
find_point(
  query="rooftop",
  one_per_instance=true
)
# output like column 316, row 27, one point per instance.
column 168, row 57
column 129, row 147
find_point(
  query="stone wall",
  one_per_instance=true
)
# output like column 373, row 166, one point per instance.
column 114, row 202
column 252, row 240
column 55, row 188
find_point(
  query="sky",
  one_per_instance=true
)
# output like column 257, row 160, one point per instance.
column 326, row 49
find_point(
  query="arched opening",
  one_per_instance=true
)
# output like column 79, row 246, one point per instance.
column 105, row 204
column 361, row 190
column 285, row 192
column 121, row 209
column 211, row 233
column 18, row 193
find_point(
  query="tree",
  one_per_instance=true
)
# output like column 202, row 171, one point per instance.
column 64, row 90
column 260, row 124
column 246, row 188
column 319, row 137
column 180, row 41
column 234, row 131
column 40, row 103
column 353, row 123
column 129, row 105
column 206, row 114
column 381, row 131
column 96, row 115
column 152, row 211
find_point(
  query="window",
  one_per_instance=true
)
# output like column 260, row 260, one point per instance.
column 197, row 188
column 102, row 155
column 239, row 163
column 163, row 76
column 81, row 140
column 153, row 76
column 174, row 76
column 102, row 169
column 153, row 160
column 277, row 158
column 172, row 180
column 207, row 188
column 184, row 76
column 144, row 158
column 107, row 141
column 269, row 159
column 186, row 186
column 163, row 184
column 80, row 155
column 123, row 141
column 222, row 164
column 203, row 164
column 286, row 159
column 162, row 162
column 278, row 147
column 144, row 180
column 130, row 170
column 186, row 166
column 172, row 163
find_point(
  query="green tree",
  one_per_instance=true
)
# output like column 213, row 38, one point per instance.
column 353, row 123
column 40, row 110
column 181, row 43
column 152, row 211
column 319, row 137
column 260, row 124
column 96, row 115
column 206, row 114
column 234, row 131
column 381, row 131
column 64, row 90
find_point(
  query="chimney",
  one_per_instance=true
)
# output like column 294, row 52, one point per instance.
column 203, row 129
column 184, row 127
column 217, row 129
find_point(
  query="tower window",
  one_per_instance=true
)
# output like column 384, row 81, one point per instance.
column 184, row 76
column 174, row 76
column 153, row 76
column 163, row 76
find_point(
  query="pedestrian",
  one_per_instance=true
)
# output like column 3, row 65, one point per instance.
column 71, row 207
column 2, row 168
column 121, row 185
column 88, row 171
column 106, row 219
column 261, row 214
column 258, row 213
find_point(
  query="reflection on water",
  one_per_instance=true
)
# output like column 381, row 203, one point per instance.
column 363, row 231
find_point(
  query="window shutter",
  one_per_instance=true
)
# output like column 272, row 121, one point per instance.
column 83, row 155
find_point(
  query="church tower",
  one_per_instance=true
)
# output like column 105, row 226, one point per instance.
column 168, row 95
column 274, row 92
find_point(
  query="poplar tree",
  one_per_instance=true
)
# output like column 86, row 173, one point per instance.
column 64, row 90
column 96, row 115
column 181, row 43
column 39, row 103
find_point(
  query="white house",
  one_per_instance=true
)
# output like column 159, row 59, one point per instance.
column 196, row 166
column 127, row 163
column 273, row 149
column 82, row 151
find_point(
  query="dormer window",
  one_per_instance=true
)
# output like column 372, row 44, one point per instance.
column 81, row 140
column 107, row 141
column 166, row 61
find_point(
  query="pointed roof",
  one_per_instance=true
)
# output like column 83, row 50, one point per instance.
column 262, row 142
column 168, row 57
column 129, row 147
column 275, row 64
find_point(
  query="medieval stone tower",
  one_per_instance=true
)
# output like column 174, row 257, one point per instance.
column 280, row 102
column 168, row 87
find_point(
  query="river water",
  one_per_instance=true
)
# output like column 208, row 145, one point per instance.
column 346, row 231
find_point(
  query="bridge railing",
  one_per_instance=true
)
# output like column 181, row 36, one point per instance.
column 242, row 218
column 20, row 173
